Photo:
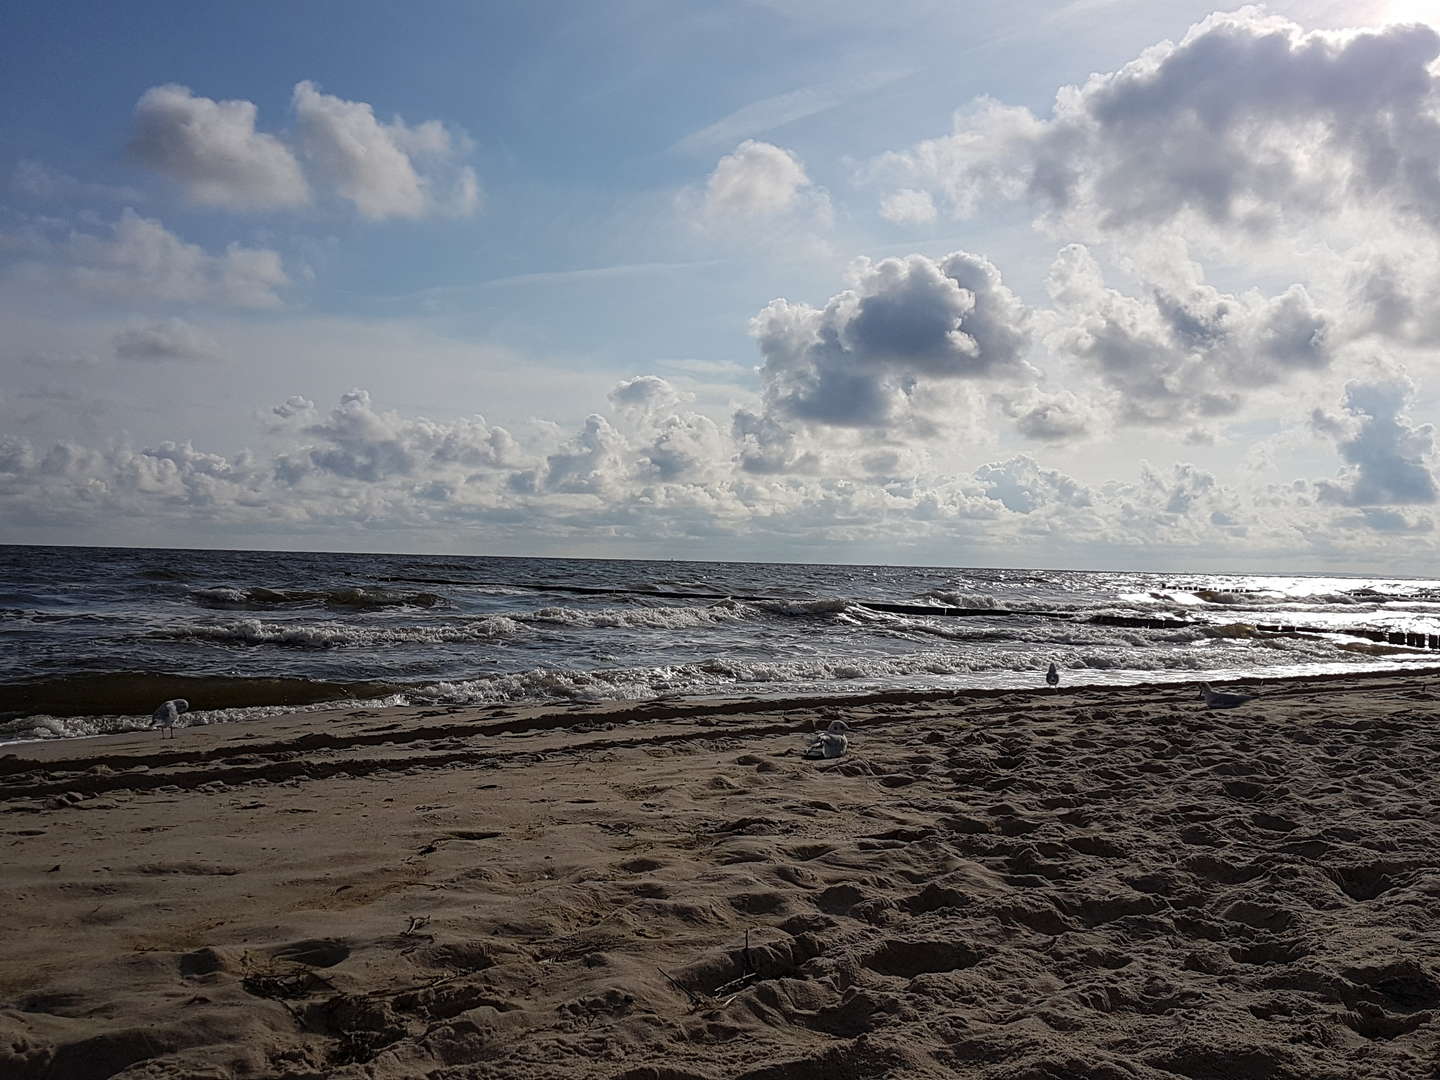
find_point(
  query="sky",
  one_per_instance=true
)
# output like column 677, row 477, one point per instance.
column 1111, row 284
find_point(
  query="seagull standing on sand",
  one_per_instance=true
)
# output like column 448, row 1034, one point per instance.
column 830, row 743
column 166, row 715
column 1216, row 700
column 1052, row 677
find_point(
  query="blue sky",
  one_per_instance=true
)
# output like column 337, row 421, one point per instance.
column 276, row 275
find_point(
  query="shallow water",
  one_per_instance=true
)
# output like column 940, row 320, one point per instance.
column 101, row 636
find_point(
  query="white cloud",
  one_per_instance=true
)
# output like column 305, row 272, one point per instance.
column 467, row 482
column 138, row 258
column 757, row 180
column 865, row 359
column 689, row 448
column 592, row 463
column 294, row 405
column 36, row 180
column 647, row 396
column 1022, row 486
column 1052, row 416
column 167, row 339
column 1389, row 460
column 211, row 148
column 1188, row 351
column 908, row 207
column 358, row 442
column 387, row 170
column 1248, row 125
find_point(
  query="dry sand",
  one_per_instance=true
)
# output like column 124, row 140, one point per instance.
column 1089, row 885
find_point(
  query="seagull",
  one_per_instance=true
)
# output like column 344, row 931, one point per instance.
column 166, row 715
column 1216, row 700
column 830, row 743
column 1053, row 676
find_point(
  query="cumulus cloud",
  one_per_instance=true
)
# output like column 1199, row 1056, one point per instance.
column 168, row 339
column 689, row 448
column 294, row 405
column 466, row 481
column 211, row 148
column 1023, row 486
column 138, row 258
column 593, row 463
column 1389, row 459
column 1178, row 491
column 863, row 360
column 356, row 441
column 68, row 483
column 1247, row 124
column 647, row 395
column 1052, row 417
column 758, row 179
column 759, row 196
column 37, row 180
column 386, row 169
column 908, row 207
column 767, row 447
column 1187, row 352
column 1393, row 289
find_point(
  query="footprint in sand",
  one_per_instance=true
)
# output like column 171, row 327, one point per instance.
column 313, row 952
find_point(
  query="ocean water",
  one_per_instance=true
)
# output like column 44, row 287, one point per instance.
column 92, row 639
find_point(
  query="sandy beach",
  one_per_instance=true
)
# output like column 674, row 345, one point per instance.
column 1081, row 885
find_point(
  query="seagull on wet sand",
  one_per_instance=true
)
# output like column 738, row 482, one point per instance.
column 1052, row 677
column 166, row 715
column 1214, row 699
column 830, row 743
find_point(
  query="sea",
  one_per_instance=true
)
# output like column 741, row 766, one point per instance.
column 93, row 639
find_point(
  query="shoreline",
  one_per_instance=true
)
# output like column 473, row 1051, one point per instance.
column 1093, row 883
column 1415, row 668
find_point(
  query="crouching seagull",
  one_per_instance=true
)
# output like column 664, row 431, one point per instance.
column 830, row 743
column 166, row 715
column 1214, row 699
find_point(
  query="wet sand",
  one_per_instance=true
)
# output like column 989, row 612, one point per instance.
column 1088, row 885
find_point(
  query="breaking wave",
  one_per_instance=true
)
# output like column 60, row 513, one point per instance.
column 972, row 600
column 722, row 675
column 334, row 635
column 353, row 598
column 647, row 618
column 100, row 632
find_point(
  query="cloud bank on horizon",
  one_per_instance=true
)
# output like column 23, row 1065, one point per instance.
column 1185, row 316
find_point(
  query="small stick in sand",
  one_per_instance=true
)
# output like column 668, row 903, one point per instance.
column 693, row 999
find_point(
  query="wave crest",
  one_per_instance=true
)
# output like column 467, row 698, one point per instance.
column 334, row 635
column 354, row 598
